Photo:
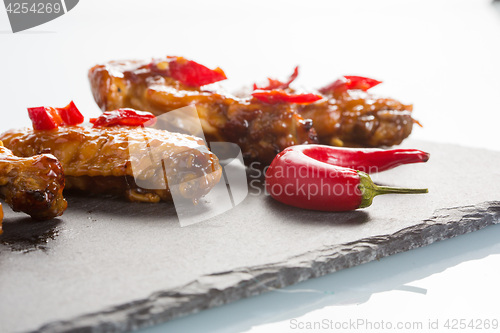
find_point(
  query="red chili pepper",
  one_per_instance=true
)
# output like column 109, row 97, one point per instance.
column 188, row 72
column 124, row 117
column 277, row 84
column 44, row 118
column 70, row 114
column 350, row 82
column 369, row 160
column 299, row 180
column 281, row 96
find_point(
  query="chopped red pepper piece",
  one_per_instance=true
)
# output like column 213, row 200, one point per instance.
column 44, row 118
column 280, row 96
column 48, row 118
column 188, row 72
column 70, row 114
column 124, row 117
column 349, row 82
column 277, row 84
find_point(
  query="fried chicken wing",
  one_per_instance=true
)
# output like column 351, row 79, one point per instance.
column 359, row 118
column 349, row 118
column 144, row 164
column 261, row 130
column 33, row 184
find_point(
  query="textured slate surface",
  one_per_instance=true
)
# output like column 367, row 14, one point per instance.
column 108, row 265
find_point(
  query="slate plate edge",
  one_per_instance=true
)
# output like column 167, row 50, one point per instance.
column 193, row 297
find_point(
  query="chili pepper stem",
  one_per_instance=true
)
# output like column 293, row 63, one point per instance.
column 370, row 190
column 402, row 190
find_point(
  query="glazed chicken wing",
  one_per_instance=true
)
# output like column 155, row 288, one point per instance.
column 261, row 130
column 32, row 185
column 349, row 118
column 359, row 118
column 144, row 164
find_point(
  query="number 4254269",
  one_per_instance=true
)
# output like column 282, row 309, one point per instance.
column 35, row 8
column 471, row 324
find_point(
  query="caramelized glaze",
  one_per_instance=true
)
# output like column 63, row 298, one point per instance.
column 359, row 118
column 261, row 130
column 352, row 118
column 33, row 184
column 140, row 163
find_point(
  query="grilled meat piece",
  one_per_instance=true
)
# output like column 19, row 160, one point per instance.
column 32, row 185
column 359, row 118
column 261, row 130
column 144, row 164
column 349, row 118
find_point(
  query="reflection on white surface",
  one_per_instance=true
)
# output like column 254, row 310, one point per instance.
column 442, row 280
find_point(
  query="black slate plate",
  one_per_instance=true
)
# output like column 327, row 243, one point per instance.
column 109, row 265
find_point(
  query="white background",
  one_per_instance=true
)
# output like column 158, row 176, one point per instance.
column 443, row 56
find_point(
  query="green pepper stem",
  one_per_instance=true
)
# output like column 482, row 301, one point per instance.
column 388, row 189
column 369, row 190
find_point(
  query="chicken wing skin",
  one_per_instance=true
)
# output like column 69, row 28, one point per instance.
column 349, row 118
column 32, row 185
column 261, row 130
column 359, row 118
column 144, row 164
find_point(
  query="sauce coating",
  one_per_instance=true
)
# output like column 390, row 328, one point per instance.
column 141, row 163
column 347, row 118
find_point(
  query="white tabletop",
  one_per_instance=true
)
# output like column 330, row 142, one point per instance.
column 443, row 56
